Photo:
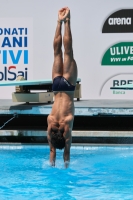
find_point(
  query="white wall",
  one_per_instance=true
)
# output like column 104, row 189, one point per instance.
column 89, row 44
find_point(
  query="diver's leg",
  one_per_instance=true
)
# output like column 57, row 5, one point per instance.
column 69, row 66
column 58, row 60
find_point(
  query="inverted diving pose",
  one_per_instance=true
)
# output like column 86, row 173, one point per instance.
column 64, row 75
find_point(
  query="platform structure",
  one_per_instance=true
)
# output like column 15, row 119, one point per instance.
column 90, row 107
column 96, row 121
column 31, row 124
column 42, row 90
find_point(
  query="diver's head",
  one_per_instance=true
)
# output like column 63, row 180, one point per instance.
column 57, row 140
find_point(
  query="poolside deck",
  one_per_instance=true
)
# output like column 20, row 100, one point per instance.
column 96, row 122
column 82, row 107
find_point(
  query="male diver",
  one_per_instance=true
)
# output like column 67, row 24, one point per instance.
column 64, row 75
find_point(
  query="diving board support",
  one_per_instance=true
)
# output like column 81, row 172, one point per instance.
column 23, row 94
column 24, row 87
column 41, row 97
column 77, row 93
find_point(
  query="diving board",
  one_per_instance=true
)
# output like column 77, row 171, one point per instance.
column 26, row 82
column 24, row 87
column 31, row 82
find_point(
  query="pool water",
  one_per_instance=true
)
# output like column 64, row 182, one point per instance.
column 100, row 173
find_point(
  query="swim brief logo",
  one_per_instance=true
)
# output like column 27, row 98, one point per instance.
column 119, row 54
column 66, row 82
column 119, row 22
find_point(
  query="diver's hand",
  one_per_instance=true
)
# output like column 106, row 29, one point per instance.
column 66, row 163
column 63, row 14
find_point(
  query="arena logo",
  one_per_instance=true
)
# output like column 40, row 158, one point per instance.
column 119, row 54
column 119, row 22
column 66, row 82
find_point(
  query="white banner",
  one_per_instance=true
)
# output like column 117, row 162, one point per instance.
column 102, row 35
column 16, row 51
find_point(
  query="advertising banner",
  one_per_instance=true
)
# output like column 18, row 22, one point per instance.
column 119, row 54
column 16, row 40
column 102, row 35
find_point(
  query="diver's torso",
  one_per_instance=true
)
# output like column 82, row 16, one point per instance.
column 63, row 106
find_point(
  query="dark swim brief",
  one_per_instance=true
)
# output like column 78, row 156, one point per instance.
column 61, row 84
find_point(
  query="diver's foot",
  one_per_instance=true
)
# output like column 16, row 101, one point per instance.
column 64, row 14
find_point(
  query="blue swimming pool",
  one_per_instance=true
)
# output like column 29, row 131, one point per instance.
column 100, row 173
